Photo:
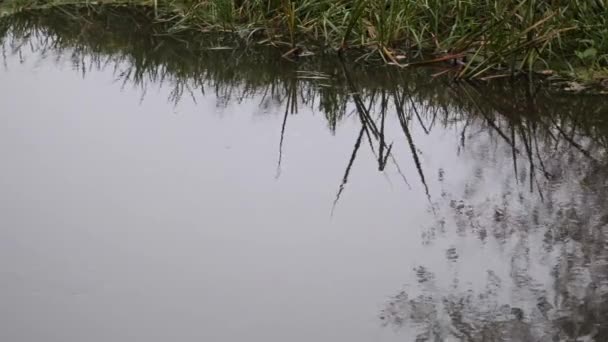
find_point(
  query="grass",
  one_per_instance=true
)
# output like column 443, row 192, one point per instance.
column 483, row 39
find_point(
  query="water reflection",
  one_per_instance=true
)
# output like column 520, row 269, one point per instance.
column 554, row 286
column 530, row 186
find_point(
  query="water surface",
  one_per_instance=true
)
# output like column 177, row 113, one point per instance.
column 157, row 188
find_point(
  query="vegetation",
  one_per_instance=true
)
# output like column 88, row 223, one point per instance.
column 481, row 38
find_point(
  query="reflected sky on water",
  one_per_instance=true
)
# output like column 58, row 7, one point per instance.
column 153, row 188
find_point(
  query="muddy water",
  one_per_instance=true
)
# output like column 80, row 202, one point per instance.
column 149, row 193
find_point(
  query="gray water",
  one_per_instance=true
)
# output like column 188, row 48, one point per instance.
column 141, row 208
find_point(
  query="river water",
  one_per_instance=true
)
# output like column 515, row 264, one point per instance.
column 152, row 189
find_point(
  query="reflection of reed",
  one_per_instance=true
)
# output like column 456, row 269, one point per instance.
column 370, row 130
column 404, row 121
column 351, row 161
column 291, row 107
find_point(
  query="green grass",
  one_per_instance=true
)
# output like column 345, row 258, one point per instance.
column 481, row 37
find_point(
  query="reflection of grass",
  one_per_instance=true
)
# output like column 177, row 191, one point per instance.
column 498, row 37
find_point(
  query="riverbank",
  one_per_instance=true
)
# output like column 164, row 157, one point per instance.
column 565, row 42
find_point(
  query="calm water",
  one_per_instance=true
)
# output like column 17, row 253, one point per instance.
column 153, row 189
